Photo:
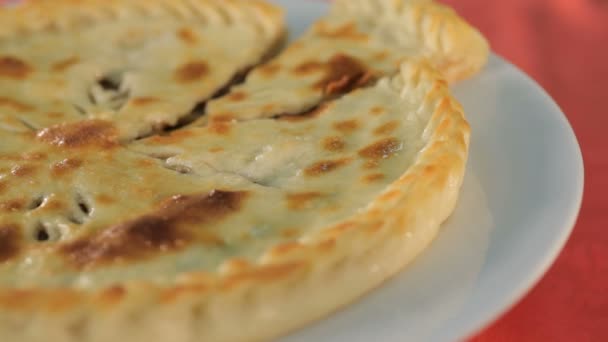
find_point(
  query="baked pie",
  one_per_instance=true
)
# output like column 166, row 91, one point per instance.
column 151, row 189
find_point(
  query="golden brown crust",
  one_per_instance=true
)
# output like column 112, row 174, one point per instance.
column 10, row 235
column 80, row 134
column 165, row 228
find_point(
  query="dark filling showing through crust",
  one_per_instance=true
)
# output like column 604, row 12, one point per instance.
column 110, row 91
column 343, row 74
column 200, row 108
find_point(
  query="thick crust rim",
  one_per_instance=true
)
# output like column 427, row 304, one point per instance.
column 452, row 46
column 61, row 15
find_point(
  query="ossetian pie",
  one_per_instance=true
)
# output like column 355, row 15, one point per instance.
column 149, row 191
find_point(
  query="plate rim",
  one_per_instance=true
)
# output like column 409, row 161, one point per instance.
column 543, row 264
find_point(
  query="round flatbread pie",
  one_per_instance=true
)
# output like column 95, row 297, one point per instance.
column 153, row 190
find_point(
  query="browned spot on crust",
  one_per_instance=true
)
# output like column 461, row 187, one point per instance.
column 10, row 242
column 391, row 195
column 55, row 115
column 325, row 166
column 301, row 200
column 65, row 64
column 146, row 162
column 143, row 101
column 9, row 157
column 289, row 232
column 98, row 133
column 380, row 56
column 63, row 167
column 104, row 199
column 237, row 96
column 343, row 74
column 307, row 68
column 327, row 245
column 236, row 265
column 371, row 164
column 15, row 105
column 340, row 228
column 441, row 83
column 164, row 230
column 209, row 239
column 220, row 128
column 386, row 128
column 269, row 107
column 13, row 67
column 374, row 177
column 269, row 69
column 172, row 138
column 191, row 72
column 60, row 300
column 171, row 294
column 261, row 274
column 346, row 126
column 429, row 170
column 112, row 295
column 286, row 248
column 187, row 36
column 334, row 144
column 347, row 31
column 407, row 179
column 12, row 205
column 382, row 149
column 22, row 170
column 313, row 113
column 3, row 186
column 224, row 117
column 20, row 299
column 216, row 149
column 377, row 111
column 45, row 300
column 374, row 227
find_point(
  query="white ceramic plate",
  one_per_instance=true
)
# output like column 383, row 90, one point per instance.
column 519, row 202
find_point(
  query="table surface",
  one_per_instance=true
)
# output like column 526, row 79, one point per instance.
column 563, row 45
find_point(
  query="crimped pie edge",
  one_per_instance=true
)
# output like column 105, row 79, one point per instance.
column 455, row 48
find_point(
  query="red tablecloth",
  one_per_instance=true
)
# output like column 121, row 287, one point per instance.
column 563, row 44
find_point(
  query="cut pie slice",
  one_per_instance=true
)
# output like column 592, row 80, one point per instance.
column 79, row 210
column 357, row 42
column 142, row 64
